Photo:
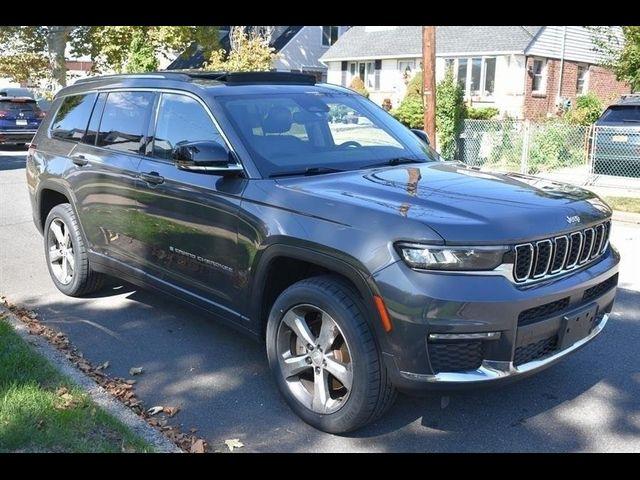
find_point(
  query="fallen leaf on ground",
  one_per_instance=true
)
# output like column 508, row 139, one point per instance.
column 135, row 371
column 197, row 446
column 155, row 410
column 61, row 391
column 105, row 365
column 171, row 411
column 130, row 382
column 193, row 430
column 234, row 443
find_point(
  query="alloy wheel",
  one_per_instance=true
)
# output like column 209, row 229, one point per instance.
column 60, row 249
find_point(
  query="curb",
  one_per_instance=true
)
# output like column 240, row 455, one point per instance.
column 627, row 217
column 136, row 424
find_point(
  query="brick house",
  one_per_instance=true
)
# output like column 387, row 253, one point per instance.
column 513, row 68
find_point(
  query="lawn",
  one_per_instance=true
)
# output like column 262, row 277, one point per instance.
column 624, row 204
column 42, row 411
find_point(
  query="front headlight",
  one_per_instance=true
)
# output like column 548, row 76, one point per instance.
column 428, row 257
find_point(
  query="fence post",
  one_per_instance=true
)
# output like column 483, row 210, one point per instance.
column 524, row 157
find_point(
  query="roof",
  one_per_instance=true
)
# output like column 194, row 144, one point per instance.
column 194, row 56
column 406, row 41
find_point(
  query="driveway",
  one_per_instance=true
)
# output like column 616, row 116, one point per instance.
column 589, row 402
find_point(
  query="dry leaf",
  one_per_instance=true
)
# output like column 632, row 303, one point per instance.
column 234, row 443
column 135, row 371
column 193, row 430
column 105, row 365
column 197, row 446
column 130, row 382
column 155, row 410
column 171, row 411
column 61, row 391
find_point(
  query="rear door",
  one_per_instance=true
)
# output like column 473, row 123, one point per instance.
column 188, row 220
column 105, row 171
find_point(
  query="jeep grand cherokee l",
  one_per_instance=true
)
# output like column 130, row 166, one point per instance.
column 365, row 263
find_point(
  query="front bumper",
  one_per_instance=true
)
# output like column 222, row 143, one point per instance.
column 505, row 331
column 16, row 136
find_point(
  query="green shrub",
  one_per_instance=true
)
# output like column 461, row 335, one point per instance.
column 586, row 110
column 487, row 113
column 410, row 112
column 450, row 109
column 415, row 86
column 357, row 85
column 556, row 144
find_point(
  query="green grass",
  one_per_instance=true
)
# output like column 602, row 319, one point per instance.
column 624, row 204
column 35, row 416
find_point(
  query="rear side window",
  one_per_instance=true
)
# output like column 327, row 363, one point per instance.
column 125, row 120
column 72, row 117
column 621, row 114
column 94, row 123
column 18, row 105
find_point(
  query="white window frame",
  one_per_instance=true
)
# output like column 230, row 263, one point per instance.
column 585, row 81
column 543, row 76
column 369, row 73
column 402, row 68
column 483, row 75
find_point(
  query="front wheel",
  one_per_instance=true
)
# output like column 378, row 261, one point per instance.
column 324, row 358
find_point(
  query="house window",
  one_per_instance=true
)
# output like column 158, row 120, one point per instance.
column 329, row 36
column 364, row 70
column 462, row 73
column 581, row 82
column 539, row 83
column 489, row 76
column 406, row 68
column 476, row 76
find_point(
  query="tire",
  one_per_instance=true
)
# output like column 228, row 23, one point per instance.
column 79, row 279
column 321, row 301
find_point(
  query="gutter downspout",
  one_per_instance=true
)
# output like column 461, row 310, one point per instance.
column 564, row 42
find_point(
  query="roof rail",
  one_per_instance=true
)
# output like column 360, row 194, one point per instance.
column 149, row 76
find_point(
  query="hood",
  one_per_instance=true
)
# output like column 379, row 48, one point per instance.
column 463, row 205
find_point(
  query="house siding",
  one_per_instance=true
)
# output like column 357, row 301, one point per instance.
column 579, row 46
column 600, row 82
column 303, row 51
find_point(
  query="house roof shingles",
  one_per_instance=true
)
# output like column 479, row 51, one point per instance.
column 407, row 41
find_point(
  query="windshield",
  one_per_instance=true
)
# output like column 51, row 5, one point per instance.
column 621, row 114
column 320, row 132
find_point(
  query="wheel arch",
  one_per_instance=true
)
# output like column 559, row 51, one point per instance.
column 263, row 291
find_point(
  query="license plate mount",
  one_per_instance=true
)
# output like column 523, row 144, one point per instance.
column 577, row 325
column 21, row 123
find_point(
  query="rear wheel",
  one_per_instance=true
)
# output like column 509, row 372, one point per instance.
column 324, row 358
column 66, row 254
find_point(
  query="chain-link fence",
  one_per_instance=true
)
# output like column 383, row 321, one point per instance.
column 552, row 149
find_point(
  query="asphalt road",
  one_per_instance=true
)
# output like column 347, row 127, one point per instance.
column 589, row 402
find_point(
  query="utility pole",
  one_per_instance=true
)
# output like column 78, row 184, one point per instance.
column 429, row 81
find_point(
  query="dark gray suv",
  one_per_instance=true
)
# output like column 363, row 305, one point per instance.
column 365, row 263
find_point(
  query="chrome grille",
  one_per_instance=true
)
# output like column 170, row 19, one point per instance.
column 553, row 256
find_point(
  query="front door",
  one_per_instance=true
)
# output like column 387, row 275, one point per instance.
column 188, row 220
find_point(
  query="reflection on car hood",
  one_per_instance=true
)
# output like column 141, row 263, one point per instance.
column 461, row 204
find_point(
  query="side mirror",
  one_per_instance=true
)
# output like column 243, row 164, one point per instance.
column 422, row 135
column 205, row 157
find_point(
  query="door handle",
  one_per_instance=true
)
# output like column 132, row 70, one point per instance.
column 153, row 178
column 79, row 160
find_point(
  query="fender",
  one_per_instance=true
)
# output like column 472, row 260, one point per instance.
column 62, row 188
column 358, row 276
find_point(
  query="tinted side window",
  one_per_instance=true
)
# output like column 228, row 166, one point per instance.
column 181, row 119
column 71, row 120
column 94, row 123
column 124, row 121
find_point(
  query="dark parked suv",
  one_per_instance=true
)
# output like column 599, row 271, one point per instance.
column 364, row 262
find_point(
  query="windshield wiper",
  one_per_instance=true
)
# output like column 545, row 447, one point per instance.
column 394, row 161
column 307, row 172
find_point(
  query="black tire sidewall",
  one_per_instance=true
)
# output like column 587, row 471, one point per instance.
column 355, row 412
column 65, row 213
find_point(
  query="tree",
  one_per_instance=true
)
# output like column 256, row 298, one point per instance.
column 620, row 56
column 142, row 58
column 110, row 46
column 23, row 42
column 250, row 52
column 24, row 67
column 450, row 111
column 411, row 110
